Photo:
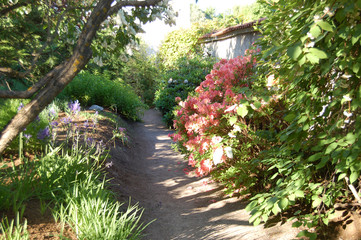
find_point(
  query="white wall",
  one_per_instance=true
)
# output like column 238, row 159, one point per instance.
column 231, row 45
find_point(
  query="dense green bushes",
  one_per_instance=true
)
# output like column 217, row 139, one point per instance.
column 179, row 81
column 92, row 89
column 295, row 130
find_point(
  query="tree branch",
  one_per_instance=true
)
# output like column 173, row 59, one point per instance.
column 119, row 5
column 12, row 73
column 32, row 90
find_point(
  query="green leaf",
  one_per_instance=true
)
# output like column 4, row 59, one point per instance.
column 318, row 53
column 299, row 194
column 315, row 157
column 232, row 120
column 242, row 110
column 354, row 176
column 341, row 176
column 289, row 118
column 331, row 147
column 294, row 52
column 315, row 31
column 283, row 204
column 255, row 216
column 312, row 58
column 302, row 61
column 323, row 162
column 316, row 202
column 325, row 25
column 296, row 224
column 356, row 67
column 276, row 209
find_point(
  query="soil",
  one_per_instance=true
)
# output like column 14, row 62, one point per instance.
column 176, row 203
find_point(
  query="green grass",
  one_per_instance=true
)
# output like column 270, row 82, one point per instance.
column 70, row 181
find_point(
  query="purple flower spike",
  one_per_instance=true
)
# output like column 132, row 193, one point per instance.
column 74, row 107
column 86, row 124
column 52, row 113
column 54, row 124
column 43, row 134
column 66, row 120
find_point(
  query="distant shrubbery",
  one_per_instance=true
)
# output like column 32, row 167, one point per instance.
column 92, row 89
column 179, row 81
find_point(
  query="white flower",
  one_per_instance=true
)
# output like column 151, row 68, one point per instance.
column 253, row 106
column 347, row 98
column 186, row 81
column 236, row 128
column 326, row 9
column 231, row 135
column 231, row 108
column 270, row 80
column 316, row 18
column 310, row 36
column 346, row 76
column 310, row 44
column 229, row 152
column 217, row 156
column 347, row 114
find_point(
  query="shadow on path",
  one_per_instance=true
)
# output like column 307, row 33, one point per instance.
column 184, row 206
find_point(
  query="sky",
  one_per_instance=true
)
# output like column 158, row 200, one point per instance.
column 156, row 31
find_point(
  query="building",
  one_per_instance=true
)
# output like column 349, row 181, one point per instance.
column 232, row 41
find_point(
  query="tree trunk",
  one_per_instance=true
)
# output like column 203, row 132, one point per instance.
column 63, row 75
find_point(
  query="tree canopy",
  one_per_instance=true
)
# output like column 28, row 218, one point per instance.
column 46, row 43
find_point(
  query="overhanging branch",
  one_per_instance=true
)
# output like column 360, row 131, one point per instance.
column 121, row 4
column 32, row 90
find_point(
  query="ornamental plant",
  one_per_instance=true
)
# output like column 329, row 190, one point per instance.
column 313, row 50
column 218, row 128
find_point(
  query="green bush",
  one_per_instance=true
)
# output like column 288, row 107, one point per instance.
column 179, row 82
column 92, row 89
column 8, row 109
column 314, row 64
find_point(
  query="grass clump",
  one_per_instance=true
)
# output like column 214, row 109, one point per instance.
column 68, row 178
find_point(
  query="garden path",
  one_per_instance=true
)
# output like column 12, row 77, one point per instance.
column 184, row 206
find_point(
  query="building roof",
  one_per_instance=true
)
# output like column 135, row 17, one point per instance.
column 227, row 31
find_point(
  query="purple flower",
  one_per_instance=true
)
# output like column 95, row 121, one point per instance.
column 54, row 124
column 52, row 113
column 121, row 129
column 66, row 120
column 44, row 133
column 27, row 136
column 89, row 141
column 86, row 124
column 74, row 107
column 20, row 106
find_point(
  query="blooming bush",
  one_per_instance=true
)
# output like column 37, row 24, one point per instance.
column 219, row 127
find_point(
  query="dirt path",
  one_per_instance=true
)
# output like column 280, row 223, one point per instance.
column 184, row 206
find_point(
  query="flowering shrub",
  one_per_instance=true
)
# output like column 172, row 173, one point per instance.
column 216, row 128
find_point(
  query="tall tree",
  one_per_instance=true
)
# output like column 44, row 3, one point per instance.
column 67, row 26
